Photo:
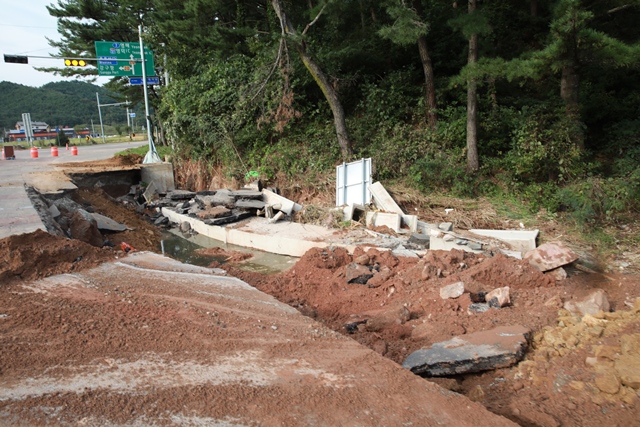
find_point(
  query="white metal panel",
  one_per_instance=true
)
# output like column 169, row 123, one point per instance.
column 352, row 182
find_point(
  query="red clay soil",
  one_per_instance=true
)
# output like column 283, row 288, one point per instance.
column 403, row 309
column 405, row 313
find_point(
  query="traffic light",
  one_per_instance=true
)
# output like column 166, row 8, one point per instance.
column 75, row 62
column 16, row 59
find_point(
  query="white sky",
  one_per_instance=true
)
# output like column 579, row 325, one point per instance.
column 24, row 24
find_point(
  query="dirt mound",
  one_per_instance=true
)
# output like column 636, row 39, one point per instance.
column 40, row 254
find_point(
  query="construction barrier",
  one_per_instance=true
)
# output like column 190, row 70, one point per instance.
column 54, row 151
column 74, row 151
column 34, row 152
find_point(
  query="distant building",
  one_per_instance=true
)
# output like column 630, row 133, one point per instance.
column 42, row 131
column 36, row 126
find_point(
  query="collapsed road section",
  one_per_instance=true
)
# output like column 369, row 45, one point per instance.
column 145, row 340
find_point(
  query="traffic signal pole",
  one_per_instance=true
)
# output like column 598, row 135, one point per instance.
column 152, row 156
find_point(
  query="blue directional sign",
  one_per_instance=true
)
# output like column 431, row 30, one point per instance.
column 138, row 81
column 132, row 114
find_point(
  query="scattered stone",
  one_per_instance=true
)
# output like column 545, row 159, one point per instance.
column 498, row 298
column 185, row 226
column 475, row 246
column 163, row 220
column 358, row 274
column 558, row 274
column 628, row 368
column 592, row 304
column 478, row 307
column 352, row 327
column 362, row 260
column 497, row 348
column 478, row 296
column 452, row 291
column 53, row 210
column 446, row 226
column 550, row 255
column 402, row 251
column 461, row 242
column 390, row 317
column 448, row 238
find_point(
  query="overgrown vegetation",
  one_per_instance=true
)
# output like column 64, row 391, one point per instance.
column 251, row 89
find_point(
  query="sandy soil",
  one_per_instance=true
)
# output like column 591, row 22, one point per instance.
column 558, row 384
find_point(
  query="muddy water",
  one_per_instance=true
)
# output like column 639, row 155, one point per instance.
column 183, row 247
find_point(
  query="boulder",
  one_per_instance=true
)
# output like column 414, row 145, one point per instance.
column 357, row 273
column 550, row 255
column 452, row 291
column 592, row 304
column 480, row 351
column 498, row 298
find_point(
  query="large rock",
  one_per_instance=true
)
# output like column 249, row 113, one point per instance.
column 498, row 298
column 498, row 348
column 84, row 228
column 452, row 291
column 596, row 301
column 357, row 273
column 550, row 255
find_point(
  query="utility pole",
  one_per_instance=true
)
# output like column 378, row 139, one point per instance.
column 152, row 156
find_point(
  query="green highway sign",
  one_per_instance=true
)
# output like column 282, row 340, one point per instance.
column 122, row 59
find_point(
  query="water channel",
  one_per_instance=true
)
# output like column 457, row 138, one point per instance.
column 184, row 246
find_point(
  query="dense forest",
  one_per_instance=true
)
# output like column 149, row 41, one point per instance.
column 58, row 104
column 536, row 99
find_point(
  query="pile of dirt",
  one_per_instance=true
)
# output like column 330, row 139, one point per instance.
column 400, row 310
column 40, row 254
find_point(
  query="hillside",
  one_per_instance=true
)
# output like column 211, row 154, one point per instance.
column 58, row 104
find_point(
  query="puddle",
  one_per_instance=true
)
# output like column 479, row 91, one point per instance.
column 183, row 247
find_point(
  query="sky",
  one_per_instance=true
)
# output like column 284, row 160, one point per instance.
column 24, row 24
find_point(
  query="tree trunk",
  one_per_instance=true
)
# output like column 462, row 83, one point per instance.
column 321, row 80
column 570, row 94
column 473, row 162
column 427, row 68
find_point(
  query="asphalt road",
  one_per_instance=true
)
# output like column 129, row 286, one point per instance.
column 17, row 215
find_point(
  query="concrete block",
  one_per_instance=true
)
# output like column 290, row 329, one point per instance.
column 379, row 219
column 250, row 204
column 520, row 240
column 246, row 194
column 497, row 348
column 383, row 200
column 159, row 173
column 287, row 206
column 446, row 226
column 354, row 212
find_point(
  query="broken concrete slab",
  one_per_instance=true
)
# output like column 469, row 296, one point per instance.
column 519, row 240
column 445, row 226
column 404, row 252
column 83, row 227
column 596, row 301
column 453, row 290
column 159, row 173
column 181, row 195
column 107, row 224
column 419, row 240
column 246, row 194
column 151, row 193
column 381, row 219
column 229, row 219
column 214, row 212
column 354, row 212
column 383, row 200
column 480, row 351
column 287, row 206
column 550, row 255
column 250, row 203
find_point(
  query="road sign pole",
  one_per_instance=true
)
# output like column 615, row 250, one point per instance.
column 152, row 156
column 104, row 141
